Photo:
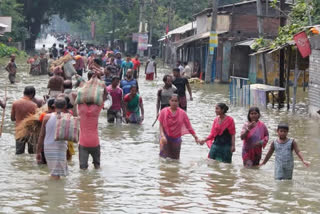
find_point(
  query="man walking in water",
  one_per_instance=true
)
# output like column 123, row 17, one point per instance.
column 151, row 69
column 114, row 113
column 20, row 110
column 128, row 82
column 125, row 66
column 12, row 69
column 181, row 83
column 89, row 142
column 136, row 66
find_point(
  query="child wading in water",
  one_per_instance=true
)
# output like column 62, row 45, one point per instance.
column 283, row 147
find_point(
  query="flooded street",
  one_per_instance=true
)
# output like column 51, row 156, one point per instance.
column 133, row 179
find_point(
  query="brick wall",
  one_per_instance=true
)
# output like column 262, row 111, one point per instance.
column 314, row 83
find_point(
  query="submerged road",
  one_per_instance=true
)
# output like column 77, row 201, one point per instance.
column 133, row 179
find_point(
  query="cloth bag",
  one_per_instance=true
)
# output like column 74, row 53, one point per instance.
column 69, row 70
column 91, row 92
column 67, row 128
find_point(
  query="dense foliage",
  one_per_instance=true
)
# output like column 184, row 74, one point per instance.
column 7, row 51
column 303, row 13
column 15, row 10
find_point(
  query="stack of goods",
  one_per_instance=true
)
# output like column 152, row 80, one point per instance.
column 92, row 92
column 67, row 63
column 29, row 129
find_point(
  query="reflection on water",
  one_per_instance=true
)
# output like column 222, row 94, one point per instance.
column 133, row 179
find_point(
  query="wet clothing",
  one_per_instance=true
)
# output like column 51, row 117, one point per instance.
column 84, row 153
column 114, row 116
column 126, row 85
column 165, row 95
column 114, row 113
column 136, row 66
column 133, row 108
column 35, row 67
column 174, row 126
column 172, row 148
column 116, row 95
column 251, row 154
column 43, row 66
column 180, row 83
column 284, row 160
column 21, row 145
column 12, row 70
column 12, row 78
column 150, row 76
column 55, row 151
column 150, row 70
column 220, row 149
column 89, row 115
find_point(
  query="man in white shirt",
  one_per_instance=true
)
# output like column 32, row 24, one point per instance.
column 186, row 71
column 151, row 69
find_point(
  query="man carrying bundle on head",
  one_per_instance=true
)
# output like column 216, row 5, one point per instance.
column 90, row 101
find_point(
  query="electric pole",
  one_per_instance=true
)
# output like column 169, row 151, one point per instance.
column 213, row 42
column 261, row 32
column 141, row 23
column 150, row 28
column 282, row 55
column 167, row 57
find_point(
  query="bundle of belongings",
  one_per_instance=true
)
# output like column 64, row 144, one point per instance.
column 66, row 62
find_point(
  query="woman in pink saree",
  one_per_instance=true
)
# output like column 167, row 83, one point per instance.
column 255, row 136
column 174, row 123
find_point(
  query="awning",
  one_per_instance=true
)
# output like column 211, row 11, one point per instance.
column 194, row 38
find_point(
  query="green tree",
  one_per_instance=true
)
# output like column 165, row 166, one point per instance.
column 13, row 9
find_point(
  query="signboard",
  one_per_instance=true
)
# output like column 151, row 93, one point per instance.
column 303, row 44
column 135, row 37
column 93, row 30
column 213, row 42
column 6, row 20
column 143, row 42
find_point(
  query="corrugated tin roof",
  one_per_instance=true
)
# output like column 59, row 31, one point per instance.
column 195, row 37
column 231, row 5
column 184, row 28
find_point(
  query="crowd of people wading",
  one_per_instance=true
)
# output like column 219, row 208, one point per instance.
column 85, row 79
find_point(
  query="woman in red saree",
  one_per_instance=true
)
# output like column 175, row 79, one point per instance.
column 174, row 123
column 255, row 136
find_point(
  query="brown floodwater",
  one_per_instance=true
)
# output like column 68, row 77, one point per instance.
column 133, row 179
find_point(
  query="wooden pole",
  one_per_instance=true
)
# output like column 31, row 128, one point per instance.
column 282, row 56
column 288, row 77
column 3, row 112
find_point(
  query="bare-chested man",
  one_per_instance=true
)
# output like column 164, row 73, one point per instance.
column 12, row 69
column 20, row 110
column 55, row 84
